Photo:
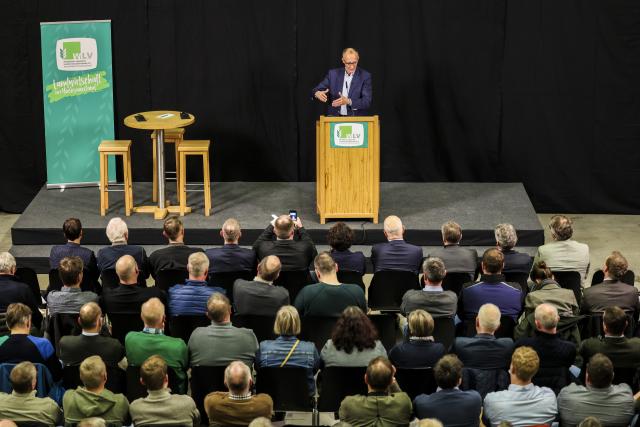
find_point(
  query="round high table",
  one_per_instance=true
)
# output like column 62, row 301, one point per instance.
column 158, row 121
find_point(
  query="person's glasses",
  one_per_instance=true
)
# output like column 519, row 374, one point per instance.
column 350, row 63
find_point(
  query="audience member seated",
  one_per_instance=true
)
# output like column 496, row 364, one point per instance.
column 118, row 234
column 564, row 253
column 231, row 257
column 340, row 238
column 287, row 350
column 176, row 255
column 623, row 352
column 613, row 405
column 94, row 400
column 432, row 298
column 237, row 407
column 395, row 254
column 127, row 297
column 491, row 288
column 329, row 297
column 419, row 350
column 160, row 406
column 457, row 258
column 22, row 405
column 190, row 298
column 152, row 340
column 353, row 341
column 20, row 346
column 259, row 296
column 75, row 348
column 72, row 229
column 485, row 351
column 384, row 405
column 221, row 343
column 612, row 291
column 13, row 291
column 70, row 297
column 553, row 351
column 289, row 241
column 523, row 404
column 547, row 290
column 514, row 261
column 454, row 407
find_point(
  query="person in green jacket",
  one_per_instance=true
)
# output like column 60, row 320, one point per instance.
column 385, row 405
column 94, row 400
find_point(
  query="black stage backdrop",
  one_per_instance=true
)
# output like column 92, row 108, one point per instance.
column 538, row 91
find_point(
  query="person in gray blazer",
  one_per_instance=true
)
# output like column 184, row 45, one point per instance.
column 457, row 258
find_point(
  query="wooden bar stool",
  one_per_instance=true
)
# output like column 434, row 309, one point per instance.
column 115, row 148
column 171, row 136
column 194, row 148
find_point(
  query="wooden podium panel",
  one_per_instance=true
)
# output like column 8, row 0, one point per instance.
column 348, row 167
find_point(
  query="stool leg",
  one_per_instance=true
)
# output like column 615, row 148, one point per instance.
column 176, row 144
column 130, row 186
column 154, row 191
column 125, row 186
column 207, row 183
column 183, row 184
column 103, row 190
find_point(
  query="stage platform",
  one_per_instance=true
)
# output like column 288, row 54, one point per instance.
column 423, row 207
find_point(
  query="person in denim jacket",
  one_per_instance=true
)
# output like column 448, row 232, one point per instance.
column 274, row 352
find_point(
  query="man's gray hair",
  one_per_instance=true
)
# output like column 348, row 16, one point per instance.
column 433, row 269
column 7, row 262
column 116, row 230
column 237, row 377
column 506, row 236
column 489, row 317
column 547, row 315
column 198, row 264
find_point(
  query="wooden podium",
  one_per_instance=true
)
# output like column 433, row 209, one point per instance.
column 348, row 167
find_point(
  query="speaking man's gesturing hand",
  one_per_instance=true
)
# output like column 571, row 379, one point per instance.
column 322, row 95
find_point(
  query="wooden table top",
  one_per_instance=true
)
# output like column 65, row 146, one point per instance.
column 158, row 120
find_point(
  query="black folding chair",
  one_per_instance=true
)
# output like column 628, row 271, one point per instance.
column 336, row 383
column 351, row 277
column 454, row 281
column 444, row 331
column 135, row 389
column 387, row 326
column 60, row 325
column 116, row 378
column 388, row 287
column 416, row 381
column 123, row 323
column 171, row 277
column 507, row 326
column 293, row 281
column 109, row 279
column 628, row 278
column 288, row 387
column 629, row 376
column 183, row 326
column 519, row 278
column 204, row 380
column 570, row 280
column 225, row 280
column 262, row 326
column 87, row 284
column 29, row 277
column 317, row 329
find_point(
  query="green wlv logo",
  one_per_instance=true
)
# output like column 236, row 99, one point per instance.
column 70, row 50
column 345, row 131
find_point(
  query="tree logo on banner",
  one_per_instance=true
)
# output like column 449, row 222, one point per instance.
column 76, row 54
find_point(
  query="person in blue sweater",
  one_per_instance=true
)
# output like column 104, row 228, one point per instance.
column 190, row 298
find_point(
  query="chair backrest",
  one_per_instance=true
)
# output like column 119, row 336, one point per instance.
column 30, row 278
column 507, row 326
column 60, row 325
column 415, row 381
column 170, row 277
column 288, row 387
column 453, row 282
column 4, row 329
column 484, row 380
column 570, row 280
column 629, row 376
column 352, row 277
column 109, row 279
column 293, row 281
column 204, row 380
column 388, row 287
column 87, row 284
column 116, row 378
column 338, row 383
column 519, row 278
column 123, row 323
column 317, row 329
column 444, row 331
column 226, row 279
column 554, row 378
column 387, row 326
column 136, row 390
column 183, row 326
column 598, row 277
column 593, row 326
column 262, row 326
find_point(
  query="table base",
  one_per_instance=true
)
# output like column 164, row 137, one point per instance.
column 159, row 213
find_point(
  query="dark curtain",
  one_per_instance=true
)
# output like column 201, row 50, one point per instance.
column 542, row 92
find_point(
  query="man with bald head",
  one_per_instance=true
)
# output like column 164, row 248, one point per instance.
column 395, row 254
column 190, row 298
column 75, row 348
column 289, row 241
column 128, row 297
column 259, row 296
column 231, row 257
column 152, row 340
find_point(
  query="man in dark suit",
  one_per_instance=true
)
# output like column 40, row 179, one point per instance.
column 450, row 405
column 231, row 257
column 455, row 257
column 118, row 234
column 395, row 254
column 289, row 241
column 612, row 291
column 176, row 255
column 72, row 229
column 514, row 261
column 11, row 290
column 259, row 296
column 127, row 297
column 623, row 352
column 348, row 89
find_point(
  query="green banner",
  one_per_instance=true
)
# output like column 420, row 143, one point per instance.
column 77, row 84
column 349, row 135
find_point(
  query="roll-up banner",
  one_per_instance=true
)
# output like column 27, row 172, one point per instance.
column 77, row 85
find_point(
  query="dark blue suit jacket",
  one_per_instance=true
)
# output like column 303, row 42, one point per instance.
column 396, row 255
column 453, row 407
column 231, row 258
column 360, row 91
column 484, row 351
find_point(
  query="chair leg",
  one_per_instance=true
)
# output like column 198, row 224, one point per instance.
column 103, row 190
column 207, row 184
column 130, row 182
column 183, row 184
column 127, row 183
column 154, row 191
column 176, row 144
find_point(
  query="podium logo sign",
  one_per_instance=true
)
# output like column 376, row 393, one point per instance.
column 76, row 54
column 349, row 135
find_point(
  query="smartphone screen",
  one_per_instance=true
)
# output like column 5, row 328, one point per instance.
column 293, row 214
